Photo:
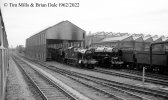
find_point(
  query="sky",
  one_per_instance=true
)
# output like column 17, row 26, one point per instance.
column 131, row 16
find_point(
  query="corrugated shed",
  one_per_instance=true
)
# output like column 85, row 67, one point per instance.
column 138, row 38
column 110, row 34
column 156, row 38
column 97, row 39
column 148, row 39
column 138, row 42
column 159, row 47
column 116, row 39
column 124, row 42
column 165, row 39
column 100, row 33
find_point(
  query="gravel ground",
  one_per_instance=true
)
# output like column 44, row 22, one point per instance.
column 17, row 88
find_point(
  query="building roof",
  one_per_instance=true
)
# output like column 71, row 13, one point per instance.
column 164, row 38
column 56, row 27
column 148, row 38
column 138, row 38
column 119, row 38
column 156, row 38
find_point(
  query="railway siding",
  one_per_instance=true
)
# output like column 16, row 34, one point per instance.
column 16, row 85
column 112, row 78
column 60, row 83
column 105, row 93
column 158, row 84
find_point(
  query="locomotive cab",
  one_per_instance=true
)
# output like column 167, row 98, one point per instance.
column 116, row 60
column 70, row 55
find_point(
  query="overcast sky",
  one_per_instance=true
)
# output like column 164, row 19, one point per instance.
column 132, row 16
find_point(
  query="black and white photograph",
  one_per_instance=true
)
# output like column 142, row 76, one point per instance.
column 84, row 50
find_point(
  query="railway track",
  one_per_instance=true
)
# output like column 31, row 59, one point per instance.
column 113, row 83
column 47, row 89
column 116, row 85
column 107, row 91
column 135, row 77
column 111, row 91
column 147, row 74
column 152, row 78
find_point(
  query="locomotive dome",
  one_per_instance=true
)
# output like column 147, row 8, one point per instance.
column 104, row 49
column 99, row 49
column 108, row 49
column 84, row 51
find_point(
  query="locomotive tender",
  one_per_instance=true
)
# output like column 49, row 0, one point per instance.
column 139, row 59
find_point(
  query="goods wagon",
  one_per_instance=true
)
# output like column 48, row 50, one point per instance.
column 139, row 59
column 3, row 58
column 62, row 35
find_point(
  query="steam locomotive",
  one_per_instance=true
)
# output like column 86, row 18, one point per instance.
column 75, row 56
column 108, row 57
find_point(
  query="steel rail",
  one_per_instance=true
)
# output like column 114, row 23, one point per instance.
column 53, row 83
column 30, row 79
column 151, row 80
column 111, row 87
column 117, row 84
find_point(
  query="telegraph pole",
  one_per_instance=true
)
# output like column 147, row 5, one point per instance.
column 143, row 75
